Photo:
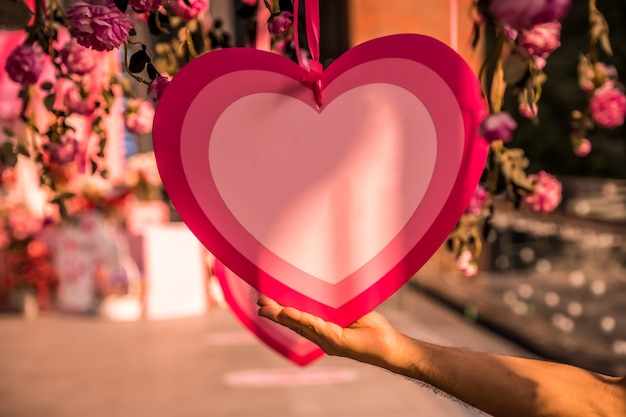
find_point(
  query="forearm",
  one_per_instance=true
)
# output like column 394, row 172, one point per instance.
column 508, row 386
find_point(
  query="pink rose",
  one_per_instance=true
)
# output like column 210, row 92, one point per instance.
column 476, row 204
column 65, row 151
column 22, row 224
column 608, row 106
column 542, row 39
column 157, row 87
column 582, row 148
column 24, row 65
column 179, row 8
column 138, row 116
column 546, row 195
column 77, row 59
column 150, row 5
column 528, row 111
column 280, row 23
column 98, row 24
column 466, row 264
column 77, row 101
column 498, row 126
column 525, row 14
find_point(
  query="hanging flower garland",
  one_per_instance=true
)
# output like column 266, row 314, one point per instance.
column 69, row 88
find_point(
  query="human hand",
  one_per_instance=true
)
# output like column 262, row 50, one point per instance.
column 371, row 339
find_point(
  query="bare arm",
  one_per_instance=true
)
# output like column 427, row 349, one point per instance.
column 499, row 385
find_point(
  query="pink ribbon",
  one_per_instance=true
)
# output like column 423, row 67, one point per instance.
column 313, row 66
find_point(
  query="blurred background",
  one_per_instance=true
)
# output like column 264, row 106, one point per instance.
column 161, row 340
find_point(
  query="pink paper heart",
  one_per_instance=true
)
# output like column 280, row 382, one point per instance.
column 332, row 208
column 242, row 298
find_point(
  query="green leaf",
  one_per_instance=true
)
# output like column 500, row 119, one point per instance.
column 122, row 5
column 138, row 61
column 49, row 100
column 47, row 86
column 7, row 154
column 515, row 70
column 14, row 14
column 152, row 72
column 22, row 150
column 8, row 132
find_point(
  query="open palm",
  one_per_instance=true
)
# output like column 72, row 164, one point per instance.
column 367, row 340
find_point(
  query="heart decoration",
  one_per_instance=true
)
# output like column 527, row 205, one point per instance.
column 326, row 193
column 242, row 298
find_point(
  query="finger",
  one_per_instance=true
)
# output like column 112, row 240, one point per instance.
column 268, row 308
column 265, row 301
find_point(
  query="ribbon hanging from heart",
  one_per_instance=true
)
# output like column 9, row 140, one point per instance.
column 323, row 189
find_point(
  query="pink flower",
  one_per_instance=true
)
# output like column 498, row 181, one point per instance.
column 280, row 23
column 65, row 151
column 466, row 264
column 476, row 204
column 98, row 24
column 151, row 5
column 582, row 148
column 77, row 101
column 179, row 8
column 22, row 224
column 157, row 87
column 527, row 111
column 547, row 193
column 138, row 116
column 525, row 14
column 542, row 39
column 24, row 65
column 608, row 106
column 77, row 59
column 498, row 126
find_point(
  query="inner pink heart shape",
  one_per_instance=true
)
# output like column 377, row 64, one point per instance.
column 331, row 208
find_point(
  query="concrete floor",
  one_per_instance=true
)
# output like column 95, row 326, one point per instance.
column 65, row 366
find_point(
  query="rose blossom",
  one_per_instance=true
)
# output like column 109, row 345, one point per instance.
column 280, row 23
column 527, row 110
column 547, row 193
column 476, row 204
column 65, row 151
column 78, row 59
column 76, row 102
column 98, row 24
column 179, row 8
column 525, row 14
column 150, row 5
column 24, row 65
column 23, row 224
column 541, row 40
column 608, row 106
column 157, row 87
column 466, row 264
column 582, row 148
column 498, row 126
column 138, row 116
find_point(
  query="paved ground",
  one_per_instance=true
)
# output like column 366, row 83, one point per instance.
column 61, row 366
